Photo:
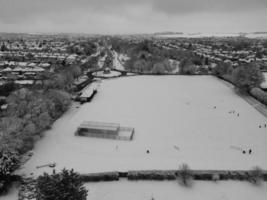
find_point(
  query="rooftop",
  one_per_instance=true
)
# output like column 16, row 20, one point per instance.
column 99, row 125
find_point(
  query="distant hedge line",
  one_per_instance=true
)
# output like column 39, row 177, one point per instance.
column 151, row 175
column 108, row 176
column 159, row 175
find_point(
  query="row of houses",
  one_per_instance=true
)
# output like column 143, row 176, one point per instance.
column 23, row 64
column 35, row 45
column 217, row 50
column 235, row 57
column 49, row 57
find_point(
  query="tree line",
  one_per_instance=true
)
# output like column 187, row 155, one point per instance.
column 247, row 78
column 30, row 112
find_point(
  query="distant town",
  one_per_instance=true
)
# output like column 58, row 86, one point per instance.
column 27, row 59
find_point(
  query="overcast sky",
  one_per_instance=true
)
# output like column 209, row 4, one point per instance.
column 132, row 16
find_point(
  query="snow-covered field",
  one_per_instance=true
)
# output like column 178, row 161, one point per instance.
column 168, row 190
column 148, row 190
column 179, row 119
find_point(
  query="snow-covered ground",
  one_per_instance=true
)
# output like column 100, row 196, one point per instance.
column 189, row 112
column 168, row 190
column 148, row 190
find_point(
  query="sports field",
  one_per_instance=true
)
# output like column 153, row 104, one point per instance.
column 179, row 119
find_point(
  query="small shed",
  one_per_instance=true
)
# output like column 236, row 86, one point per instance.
column 99, row 128
column 105, row 130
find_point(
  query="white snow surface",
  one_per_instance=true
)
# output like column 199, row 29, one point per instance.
column 146, row 190
column 167, row 112
column 168, row 190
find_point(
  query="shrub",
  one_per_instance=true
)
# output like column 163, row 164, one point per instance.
column 7, row 88
column 108, row 176
column 255, row 176
column 61, row 101
column 8, row 162
column 216, row 177
column 151, row 175
column 3, row 186
column 247, row 76
column 187, row 67
column 222, row 69
column 6, row 181
column 66, row 185
column 259, row 94
column 203, row 176
column 185, row 175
